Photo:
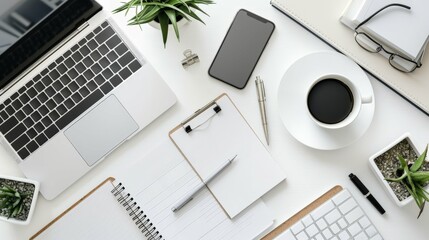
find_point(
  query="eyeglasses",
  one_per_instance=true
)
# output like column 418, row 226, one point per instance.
column 401, row 63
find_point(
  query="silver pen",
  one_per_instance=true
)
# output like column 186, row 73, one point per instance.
column 200, row 186
column 262, row 99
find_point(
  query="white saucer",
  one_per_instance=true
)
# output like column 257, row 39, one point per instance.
column 293, row 103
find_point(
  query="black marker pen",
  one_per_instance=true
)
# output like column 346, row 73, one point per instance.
column 366, row 192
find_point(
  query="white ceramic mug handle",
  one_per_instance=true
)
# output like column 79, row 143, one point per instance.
column 367, row 99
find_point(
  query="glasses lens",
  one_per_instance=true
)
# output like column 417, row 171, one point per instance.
column 367, row 43
column 402, row 64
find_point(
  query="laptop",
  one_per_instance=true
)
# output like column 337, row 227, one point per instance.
column 73, row 89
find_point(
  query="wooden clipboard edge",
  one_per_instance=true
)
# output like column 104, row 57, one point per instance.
column 178, row 127
column 303, row 212
column 109, row 179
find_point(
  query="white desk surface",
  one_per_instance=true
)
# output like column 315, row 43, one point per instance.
column 309, row 172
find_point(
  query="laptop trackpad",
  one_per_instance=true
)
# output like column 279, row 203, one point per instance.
column 101, row 130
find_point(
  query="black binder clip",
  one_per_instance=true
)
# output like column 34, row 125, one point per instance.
column 190, row 58
column 216, row 110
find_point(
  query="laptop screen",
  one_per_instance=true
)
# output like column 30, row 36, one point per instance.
column 29, row 28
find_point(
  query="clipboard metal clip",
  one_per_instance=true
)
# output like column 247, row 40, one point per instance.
column 216, row 109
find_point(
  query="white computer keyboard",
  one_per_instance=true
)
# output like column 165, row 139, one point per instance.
column 339, row 218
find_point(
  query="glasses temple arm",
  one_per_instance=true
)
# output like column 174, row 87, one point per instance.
column 390, row 5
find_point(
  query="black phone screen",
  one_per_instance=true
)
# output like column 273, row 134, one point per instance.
column 241, row 48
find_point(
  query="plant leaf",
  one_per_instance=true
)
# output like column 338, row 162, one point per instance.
column 403, row 162
column 163, row 21
column 421, row 177
column 399, row 179
column 419, row 162
column 171, row 14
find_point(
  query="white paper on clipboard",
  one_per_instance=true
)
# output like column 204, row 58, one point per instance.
column 216, row 137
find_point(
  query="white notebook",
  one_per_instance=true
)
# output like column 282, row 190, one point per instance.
column 155, row 183
column 219, row 132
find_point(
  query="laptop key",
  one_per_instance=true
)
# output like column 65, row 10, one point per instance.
column 46, row 80
column 42, row 97
column 113, row 41
column 20, row 115
column 27, row 109
column 31, row 133
column 51, row 131
column 106, row 88
column 14, row 96
column 32, row 146
column 8, row 125
column 72, row 73
column 31, row 92
column 16, row 104
column 62, row 68
column 54, row 74
column 51, row 104
column 24, row 98
column 79, row 109
column 127, row 58
column 104, row 35
column 23, row 153
column 76, row 97
column 43, row 110
column 9, row 109
column 36, row 116
column 69, row 103
column 115, row 80
column 20, row 142
column 39, row 127
column 46, row 121
column 125, row 73
column 135, row 65
column 15, row 132
column 28, row 122
column 4, row 115
column 54, row 115
column 61, row 109
column 121, row 49
column 39, row 86
column 35, row 103
column 49, row 91
column 41, row 139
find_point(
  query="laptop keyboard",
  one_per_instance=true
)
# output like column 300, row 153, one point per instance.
column 340, row 218
column 61, row 92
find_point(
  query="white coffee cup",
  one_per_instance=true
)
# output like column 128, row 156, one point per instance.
column 356, row 101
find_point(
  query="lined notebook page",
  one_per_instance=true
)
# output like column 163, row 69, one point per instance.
column 163, row 177
column 99, row 216
column 220, row 137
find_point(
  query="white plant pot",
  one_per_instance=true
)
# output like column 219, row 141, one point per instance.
column 33, row 201
column 380, row 176
column 180, row 23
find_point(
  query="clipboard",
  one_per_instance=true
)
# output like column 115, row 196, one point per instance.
column 304, row 212
column 212, row 135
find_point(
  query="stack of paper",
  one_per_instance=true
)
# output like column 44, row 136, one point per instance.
column 398, row 29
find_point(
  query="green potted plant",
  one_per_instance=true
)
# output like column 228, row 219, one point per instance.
column 403, row 172
column 17, row 199
column 164, row 12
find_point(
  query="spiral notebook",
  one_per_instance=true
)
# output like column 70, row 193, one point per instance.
column 140, row 207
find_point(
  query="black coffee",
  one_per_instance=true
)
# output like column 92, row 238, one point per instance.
column 330, row 101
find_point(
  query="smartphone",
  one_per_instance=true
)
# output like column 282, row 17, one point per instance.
column 241, row 48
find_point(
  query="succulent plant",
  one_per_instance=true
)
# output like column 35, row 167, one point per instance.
column 414, row 179
column 164, row 12
column 12, row 201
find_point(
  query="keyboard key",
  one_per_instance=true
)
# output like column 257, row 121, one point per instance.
column 43, row 110
column 27, row 109
column 16, row 104
column 361, row 236
column 20, row 115
column 377, row 237
column 36, row 116
column 371, row 231
column 28, row 122
column 31, row 92
column 92, row 85
column 46, row 80
column 69, row 62
column 59, row 60
column 104, row 62
column 54, row 74
column 112, row 56
column 35, row 103
column 92, row 44
column 348, row 205
column 127, row 58
column 311, row 230
column 113, row 42
column 333, row 216
column 344, row 235
column 355, row 229
column 69, row 103
column 14, row 96
column 62, row 68
column 327, row 233
column 8, row 125
column 89, row 36
column 61, row 109
column 9, row 109
column 77, row 56
column 134, row 66
column 29, row 84
column 52, row 65
column 80, row 68
column 75, row 47
column 354, row 215
column 115, row 67
column 42, row 97
column 31, row 133
column 65, row 79
column 297, row 227
column 88, row 61
column 96, row 68
column 88, row 74
column 41, row 139
column 65, row 92
column 39, row 86
column 58, row 98
column 82, row 42
column 44, row 72
column 79, row 109
column 125, row 73
column 4, row 115
column 24, row 98
column 103, row 49
column 99, row 79
column 7, row 102
column 302, row 236
column 322, row 210
column 319, row 237
column 307, row 220
column 121, row 49
column 54, row 115
column 37, row 77
column 95, row 55
column 84, row 50
column 106, row 88
column 51, row 104
column 32, row 146
column 321, row 223
column 57, row 86
column 115, row 80
column 84, row 91
column 67, row 53
column 104, row 24
column 364, row 222
column 335, row 228
column 23, row 153
column 107, row 73
column 72, row 73
column 104, row 35
column 46, row 121
column 76, row 97
column 15, row 132
column 22, row 90
column 39, row 127
column 50, row 91
column 51, row 131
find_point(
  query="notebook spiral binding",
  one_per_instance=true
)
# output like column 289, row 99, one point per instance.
column 138, row 216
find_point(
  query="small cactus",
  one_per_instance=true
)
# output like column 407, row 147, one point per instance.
column 414, row 179
column 12, row 201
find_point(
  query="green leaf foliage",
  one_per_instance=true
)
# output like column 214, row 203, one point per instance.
column 164, row 11
column 12, row 201
column 414, row 179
